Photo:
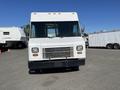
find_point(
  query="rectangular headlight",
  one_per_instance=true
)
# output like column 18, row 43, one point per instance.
column 35, row 50
column 79, row 48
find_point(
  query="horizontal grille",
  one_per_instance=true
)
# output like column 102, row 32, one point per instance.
column 58, row 52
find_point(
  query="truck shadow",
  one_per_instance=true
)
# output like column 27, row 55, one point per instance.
column 3, row 50
column 55, row 70
column 97, row 48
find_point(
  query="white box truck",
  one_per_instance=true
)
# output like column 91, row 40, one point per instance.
column 12, row 37
column 108, row 39
column 55, row 41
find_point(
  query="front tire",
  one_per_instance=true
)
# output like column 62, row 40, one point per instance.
column 82, row 62
column 75, row 68
column 35, row 71
column 31, row 71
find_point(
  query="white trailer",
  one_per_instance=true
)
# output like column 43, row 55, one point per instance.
column 12, row 37
column 55, row 41
column 108, row 39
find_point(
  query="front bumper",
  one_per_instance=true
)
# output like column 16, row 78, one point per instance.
column 61, row 63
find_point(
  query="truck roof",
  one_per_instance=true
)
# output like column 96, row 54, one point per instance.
column 53, row 16
column 8, row 28
column 117, row 30
column 15, row 30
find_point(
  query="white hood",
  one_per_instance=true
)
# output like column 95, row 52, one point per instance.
column 55, row 41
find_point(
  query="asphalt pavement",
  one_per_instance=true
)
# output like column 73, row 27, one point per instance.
column 101, row 72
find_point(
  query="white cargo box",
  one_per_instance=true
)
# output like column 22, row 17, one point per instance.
column 53, row 16
column 102, row 39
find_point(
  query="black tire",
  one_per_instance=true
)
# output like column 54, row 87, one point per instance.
column 31, row 71
column 20, row 45
column 35, row 71
column 75, row 68
column 82, row 62
column 116, row 46
column 109, row 46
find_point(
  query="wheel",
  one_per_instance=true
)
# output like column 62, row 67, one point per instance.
column 116, row 46
column 82, row 62
column 20, row 45
column 35, row 71
column 31, row 71
column 109, row 46
column 75, row 68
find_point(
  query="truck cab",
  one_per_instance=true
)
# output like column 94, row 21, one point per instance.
column 55, row 41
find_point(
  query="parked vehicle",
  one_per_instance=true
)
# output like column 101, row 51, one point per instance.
column 55, row 41
column 12, row 37
column 108, row 39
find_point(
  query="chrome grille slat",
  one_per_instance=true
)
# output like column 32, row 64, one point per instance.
column 58, row 52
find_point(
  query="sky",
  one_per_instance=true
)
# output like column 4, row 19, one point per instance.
column 95, row 15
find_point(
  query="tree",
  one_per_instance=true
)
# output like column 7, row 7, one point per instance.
column 26, row 29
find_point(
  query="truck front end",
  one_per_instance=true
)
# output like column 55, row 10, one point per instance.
column 55, row 44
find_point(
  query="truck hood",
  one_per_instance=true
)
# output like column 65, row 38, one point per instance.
column 55, row 41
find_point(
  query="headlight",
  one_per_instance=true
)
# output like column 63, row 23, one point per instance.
column 79, row 48
column 35, row 50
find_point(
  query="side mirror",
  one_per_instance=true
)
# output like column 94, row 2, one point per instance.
column 82, row 31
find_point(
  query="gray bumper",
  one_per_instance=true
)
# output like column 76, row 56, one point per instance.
column 55, row 63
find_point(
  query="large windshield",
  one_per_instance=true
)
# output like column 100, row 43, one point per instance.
column 54, row 29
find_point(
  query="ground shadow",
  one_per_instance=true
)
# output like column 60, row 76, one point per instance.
column 3, row 50
column 55, row 70
column 97, row 47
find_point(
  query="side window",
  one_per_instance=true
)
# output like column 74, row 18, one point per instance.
column 75, row 29
column 6, row 33
column 33, row 31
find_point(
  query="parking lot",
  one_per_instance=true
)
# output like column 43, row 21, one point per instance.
column 101, row 72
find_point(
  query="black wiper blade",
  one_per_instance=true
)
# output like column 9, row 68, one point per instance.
column 52, row 37
column 62, row 36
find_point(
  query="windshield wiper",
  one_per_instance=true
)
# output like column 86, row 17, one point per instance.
column 61, row 36
column 51, row 36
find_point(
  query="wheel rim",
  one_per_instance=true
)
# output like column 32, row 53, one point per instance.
column 109, row 46
column 116, row 46
column 20, row 45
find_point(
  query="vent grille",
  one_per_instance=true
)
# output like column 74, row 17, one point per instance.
column 58, row 52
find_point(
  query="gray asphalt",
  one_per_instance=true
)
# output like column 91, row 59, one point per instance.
column 101, row 72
